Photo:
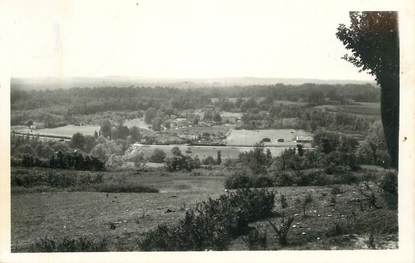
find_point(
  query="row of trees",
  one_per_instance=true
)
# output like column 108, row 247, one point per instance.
column 75, row 161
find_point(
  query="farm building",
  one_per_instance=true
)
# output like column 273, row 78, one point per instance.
column 180, row 123
column 303, row 139
column 231, row 117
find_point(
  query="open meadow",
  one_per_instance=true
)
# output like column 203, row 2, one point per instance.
column 59, row 212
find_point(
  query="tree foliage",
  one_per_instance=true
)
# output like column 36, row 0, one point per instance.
column 373, row 41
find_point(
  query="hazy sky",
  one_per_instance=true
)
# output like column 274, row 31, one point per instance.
column 178, row 38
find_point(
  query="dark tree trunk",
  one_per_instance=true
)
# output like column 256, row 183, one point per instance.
column 390, row 115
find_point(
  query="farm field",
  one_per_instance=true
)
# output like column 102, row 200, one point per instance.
column 289, row 102
column 252, row 137
column 76, row 214
column 67, row 130
column 36, row 215
column 361, row 108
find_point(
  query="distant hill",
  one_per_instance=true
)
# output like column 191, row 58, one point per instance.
column 82, row 82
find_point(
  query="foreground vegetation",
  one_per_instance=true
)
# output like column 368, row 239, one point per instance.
column 189, row 207
column 212, row 223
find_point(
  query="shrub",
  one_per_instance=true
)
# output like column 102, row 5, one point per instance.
column 283, row 229
column 125, row 188
column 257, row 159
column 180, row 162
column 283, row 200
column 238, row 181
column 67, row 244
column 158, row 156
column 305, row 202
column 242, row 180
column 262, row 181
column 369, row 193
column 212, row 224
column 339, row 169
column 256, row 240
column 335, row 190
column 284, row 178
column 339, row 228
column 209, row 161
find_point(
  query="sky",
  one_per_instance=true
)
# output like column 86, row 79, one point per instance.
column 177, row 39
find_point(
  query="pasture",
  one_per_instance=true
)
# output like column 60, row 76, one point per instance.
column 62, row 213
column 252, row 137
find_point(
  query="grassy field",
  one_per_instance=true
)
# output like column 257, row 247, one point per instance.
column 122, row 218
column 251, row 137
column 67, row 130
column 36, row 215
column 362, row 108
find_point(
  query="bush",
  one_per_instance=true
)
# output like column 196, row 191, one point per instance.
column 125, row 188
column 304, row 202
column 283, row 201
column 335, row 190
column 180, row 162
column 212, row 224
column 256, row 240
column 337, row 169
column 238, row 180
column 66, row 244
column 257, row 159
column 282, row 229
column 158, row 156
column 313, row 177
column 209, row 161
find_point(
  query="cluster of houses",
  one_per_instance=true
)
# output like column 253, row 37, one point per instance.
column 187, row 119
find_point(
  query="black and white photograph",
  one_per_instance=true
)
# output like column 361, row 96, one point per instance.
column 206, row 126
